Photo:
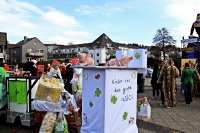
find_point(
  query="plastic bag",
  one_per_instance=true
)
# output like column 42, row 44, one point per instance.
column 61, row 125
column 79, row 98
column 49, row 89
column 48, row 123
column 145, row 110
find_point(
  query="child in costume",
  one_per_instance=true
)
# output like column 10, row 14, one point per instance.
column 55, row 71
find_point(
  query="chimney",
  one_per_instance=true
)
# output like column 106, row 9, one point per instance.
column 25, row 38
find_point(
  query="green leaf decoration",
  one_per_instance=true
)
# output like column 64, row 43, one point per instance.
column 113, row 99
column 137, row 55
column 97, row 92
column 125, row 115
column 91, row 104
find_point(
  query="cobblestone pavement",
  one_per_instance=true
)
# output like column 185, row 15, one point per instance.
column 174, row 120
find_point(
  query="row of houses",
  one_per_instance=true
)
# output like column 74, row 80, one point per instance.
column 101, row 49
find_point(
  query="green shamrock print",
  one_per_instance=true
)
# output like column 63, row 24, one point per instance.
column 97, row 92
column 91, row 104
column 137, row 55
column 113, row 99
column 125, row 115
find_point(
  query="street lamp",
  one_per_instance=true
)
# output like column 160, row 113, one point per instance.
column 94, row 55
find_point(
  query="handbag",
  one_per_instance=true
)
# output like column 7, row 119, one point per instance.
column 145, row 110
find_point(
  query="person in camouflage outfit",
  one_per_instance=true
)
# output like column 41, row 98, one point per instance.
column 168, row 75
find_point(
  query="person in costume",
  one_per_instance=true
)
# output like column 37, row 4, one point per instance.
column 154, row 83
column 6, row 67
column 55, row 71
column 77, row 79
column 196, row 78
column 48, row 68
column 196, row 26
column 168, row 75
column 160, row 86
column 62, row 70
column 31, row 66
column 16, row 71
column 68, row 76
column 188, row 83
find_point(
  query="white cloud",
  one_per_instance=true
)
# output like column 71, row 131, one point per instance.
column 105, row 25
column 183, row 10
column 124, row 42
column 63, row 40
column 48, row 24
column 60, row 19
column 106, row 9
column 75, row 34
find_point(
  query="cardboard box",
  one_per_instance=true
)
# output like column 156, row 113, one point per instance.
column 47, row 90
column 120, row 53
column 139, row 58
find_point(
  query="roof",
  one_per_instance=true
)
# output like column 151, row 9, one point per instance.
column 102, row 41
column 22, row 42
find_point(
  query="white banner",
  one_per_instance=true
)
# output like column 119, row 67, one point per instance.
column 121, row 101
column 109, row 101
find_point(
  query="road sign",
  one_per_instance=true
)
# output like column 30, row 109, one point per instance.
column 189, row 40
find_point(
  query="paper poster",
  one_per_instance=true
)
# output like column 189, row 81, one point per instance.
column 121, row 99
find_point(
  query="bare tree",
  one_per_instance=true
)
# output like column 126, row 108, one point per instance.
column 162, row 38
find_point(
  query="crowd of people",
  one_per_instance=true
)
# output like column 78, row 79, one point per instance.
column 164, row 81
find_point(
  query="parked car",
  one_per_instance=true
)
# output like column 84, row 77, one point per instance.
column 149, row 72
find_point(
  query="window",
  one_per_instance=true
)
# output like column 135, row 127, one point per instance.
column 40, row 50
column 97, row 54
column 97, row 61
column 35, row 43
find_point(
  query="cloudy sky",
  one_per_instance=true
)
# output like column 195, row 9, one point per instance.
column 82, row 21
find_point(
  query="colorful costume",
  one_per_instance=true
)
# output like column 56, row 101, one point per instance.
column 196, row 26
column 55, row 72
column 188, row 83
column 168, row 75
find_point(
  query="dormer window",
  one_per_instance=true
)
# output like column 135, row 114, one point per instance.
column 108, row 45
column 40, row 50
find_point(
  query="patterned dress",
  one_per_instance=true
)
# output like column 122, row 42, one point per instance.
column 168, row 76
